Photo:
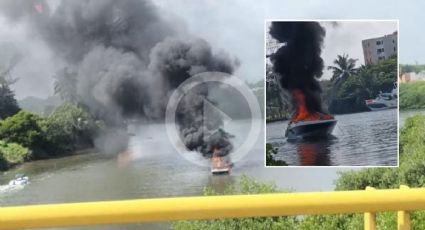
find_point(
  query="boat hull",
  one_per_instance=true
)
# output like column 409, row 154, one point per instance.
column 379, row 106
column 310, row 129
column 220, row 171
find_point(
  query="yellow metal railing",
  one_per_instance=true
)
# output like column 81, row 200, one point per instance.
column 369, row 202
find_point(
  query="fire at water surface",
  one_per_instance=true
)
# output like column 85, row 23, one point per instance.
column 302, row 113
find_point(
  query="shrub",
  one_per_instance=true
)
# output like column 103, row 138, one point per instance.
column 245, row 185
column 11, row 154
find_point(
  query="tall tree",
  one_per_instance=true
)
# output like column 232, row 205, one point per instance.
column 343, row 68
column 8, row 104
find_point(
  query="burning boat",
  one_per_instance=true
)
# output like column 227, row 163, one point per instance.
column 220, row 164
column 298, row 65
column 307, row 124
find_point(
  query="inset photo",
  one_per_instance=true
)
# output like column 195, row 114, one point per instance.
column 332, row 93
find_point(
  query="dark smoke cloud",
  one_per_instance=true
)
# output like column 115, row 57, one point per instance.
column 200, row 123
column 126, row 58
column 298, row 62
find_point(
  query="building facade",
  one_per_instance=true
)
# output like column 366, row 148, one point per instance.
column 381, row 48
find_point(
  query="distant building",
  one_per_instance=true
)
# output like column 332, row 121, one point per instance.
column 377, row 49
column 417, row 76
column 405, row 78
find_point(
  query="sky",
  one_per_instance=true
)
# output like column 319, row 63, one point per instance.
column 347, row 36
column 238, row 28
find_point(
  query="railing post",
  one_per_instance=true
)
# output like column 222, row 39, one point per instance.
column 403, row 217
column 369, row 217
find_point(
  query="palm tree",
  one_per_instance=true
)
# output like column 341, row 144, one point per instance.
column 343, row 68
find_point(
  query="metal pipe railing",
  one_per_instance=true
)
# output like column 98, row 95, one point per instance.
column 213, row 207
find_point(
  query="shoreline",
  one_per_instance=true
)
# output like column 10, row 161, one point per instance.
column 72, row 153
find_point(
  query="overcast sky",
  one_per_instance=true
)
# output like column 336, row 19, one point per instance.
column 238, row 28
column 347, row 38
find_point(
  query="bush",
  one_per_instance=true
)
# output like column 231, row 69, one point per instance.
column 412, row 95
column 270, row 157
column 69, row 127
column 23, row 128
column 245, row 185
column 11, row 154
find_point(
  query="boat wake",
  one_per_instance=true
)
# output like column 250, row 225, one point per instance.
column 5, row 189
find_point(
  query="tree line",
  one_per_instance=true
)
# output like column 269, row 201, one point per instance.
column 27, row 136
column 345, row 92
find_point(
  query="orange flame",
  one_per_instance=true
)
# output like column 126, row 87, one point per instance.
column 302, row 113
column 216, row 159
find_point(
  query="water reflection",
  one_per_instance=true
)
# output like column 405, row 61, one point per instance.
column 314, row 152
column 363, row 139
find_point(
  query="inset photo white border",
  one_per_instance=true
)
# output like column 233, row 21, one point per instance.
column 373, row 34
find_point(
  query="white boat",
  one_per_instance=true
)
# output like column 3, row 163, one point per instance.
column 383, row 101
column 310, row 129
column 20, row 179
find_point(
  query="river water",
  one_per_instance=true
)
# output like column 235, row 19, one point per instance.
column 360, row 139
column 155, row 170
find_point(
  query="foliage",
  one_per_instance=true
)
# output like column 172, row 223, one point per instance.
column 245, row 185
column 12, row 153
column 412, row 68
column 412, row 95
column 270, row 157
column 411, row 172
column 342, row 69
column 69, row 127
column 349, row 93
column 8, row 104
column 23, row 128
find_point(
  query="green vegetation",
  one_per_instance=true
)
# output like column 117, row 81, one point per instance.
column 67, row 129
column 350, row 92
column 411, row 68
column 245, row 185
column 412, row 95
column 270, row 157
column 8, row 104
column 11, row 154
column 23, row 128
column 411, row 172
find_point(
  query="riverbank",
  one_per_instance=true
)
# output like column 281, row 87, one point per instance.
column 19, row 156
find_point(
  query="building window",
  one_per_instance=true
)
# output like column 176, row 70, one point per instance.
column 394, row 49
column 381, row 50
column 379, row 43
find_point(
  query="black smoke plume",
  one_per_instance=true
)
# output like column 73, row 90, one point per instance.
column 298, row 61
column 124, row 57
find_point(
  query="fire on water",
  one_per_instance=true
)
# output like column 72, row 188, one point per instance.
column 306, row 124
column 302, row 113
column 219, row 164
